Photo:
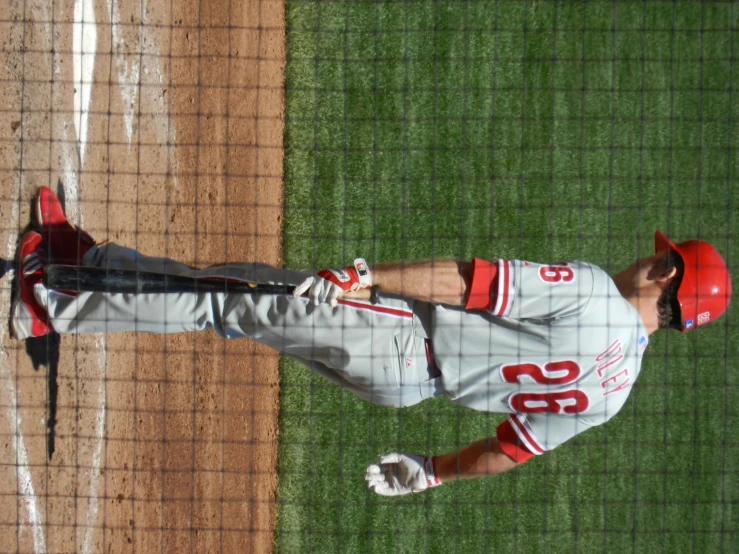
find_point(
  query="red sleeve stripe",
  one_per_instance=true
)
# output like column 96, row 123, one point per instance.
column 504, row 300
column 429, row 464
column 511, row 289
column 484, row 277
column 526, row 436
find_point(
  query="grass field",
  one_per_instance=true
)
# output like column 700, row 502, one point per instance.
column 532, row 130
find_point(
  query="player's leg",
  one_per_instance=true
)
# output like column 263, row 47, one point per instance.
column 393, row 384
column 376, row 351
column 59, row 240
column 381, row 360
column 90, row 312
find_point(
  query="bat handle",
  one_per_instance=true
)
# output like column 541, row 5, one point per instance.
column 372, row 294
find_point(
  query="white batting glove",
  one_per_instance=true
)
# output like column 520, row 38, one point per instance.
column 328, row 284
column 399, row 474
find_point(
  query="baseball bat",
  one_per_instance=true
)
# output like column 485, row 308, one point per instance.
column 126, row 281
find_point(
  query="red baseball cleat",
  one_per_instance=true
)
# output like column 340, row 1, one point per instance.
column 28, row 318
column 67, row 243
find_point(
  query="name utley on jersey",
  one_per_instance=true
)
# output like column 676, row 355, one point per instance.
column 556, row 346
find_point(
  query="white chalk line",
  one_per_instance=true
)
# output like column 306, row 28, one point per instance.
column 26, row 489
column 84, row 44
column 95, row 475
column 128, row 70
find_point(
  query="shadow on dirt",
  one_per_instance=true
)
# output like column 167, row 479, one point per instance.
column 43, row 353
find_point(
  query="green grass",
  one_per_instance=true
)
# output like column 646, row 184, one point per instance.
column 532, row 130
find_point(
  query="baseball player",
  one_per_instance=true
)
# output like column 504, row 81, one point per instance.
column 557, row 347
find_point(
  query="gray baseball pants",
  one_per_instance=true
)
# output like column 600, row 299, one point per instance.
column 378, row 352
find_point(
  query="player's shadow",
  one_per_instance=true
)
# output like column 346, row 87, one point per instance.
column 5, row 266
column 43, row 352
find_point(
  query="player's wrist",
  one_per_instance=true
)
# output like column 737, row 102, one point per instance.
column 353, row 277
column 429, row 466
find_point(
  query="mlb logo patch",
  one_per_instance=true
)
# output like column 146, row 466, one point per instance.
column 341, row 275
column 642, row 343
column 689, row 324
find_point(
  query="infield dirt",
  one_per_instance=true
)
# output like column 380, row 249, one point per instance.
column 160, row 123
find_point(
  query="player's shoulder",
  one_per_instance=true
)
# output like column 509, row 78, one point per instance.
column 573, row 274
column 601, row 279
column 580, row 264
column 609, row 307
column 565, row 272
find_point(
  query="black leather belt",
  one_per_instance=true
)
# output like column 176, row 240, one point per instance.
column 433, row 369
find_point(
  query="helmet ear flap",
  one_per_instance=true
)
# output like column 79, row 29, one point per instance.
column 676, row 321
column 668, row 301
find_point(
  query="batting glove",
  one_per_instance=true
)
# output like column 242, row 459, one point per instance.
column 328, row 284
column 399, row 474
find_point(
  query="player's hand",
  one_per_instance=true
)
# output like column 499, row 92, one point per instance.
column 328, row 284
column 399, row 474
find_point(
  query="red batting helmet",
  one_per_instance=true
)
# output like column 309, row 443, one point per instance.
column 705, row 289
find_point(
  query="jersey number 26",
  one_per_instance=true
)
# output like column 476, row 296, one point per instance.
column 553, row 373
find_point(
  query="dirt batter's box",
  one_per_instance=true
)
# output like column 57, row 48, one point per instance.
column 160, row 126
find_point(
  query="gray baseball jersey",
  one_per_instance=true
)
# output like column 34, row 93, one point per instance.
column 558, row 347
column 555, row 346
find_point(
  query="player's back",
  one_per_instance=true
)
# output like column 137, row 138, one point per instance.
column 570, row 350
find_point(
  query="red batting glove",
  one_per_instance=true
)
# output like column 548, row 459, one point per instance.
column 328, row 284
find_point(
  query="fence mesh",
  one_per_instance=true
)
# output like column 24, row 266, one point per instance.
column 159, row 127
column 544, row 131
column 539, row 131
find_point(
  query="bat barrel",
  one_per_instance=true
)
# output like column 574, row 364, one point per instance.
column 126, row 281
